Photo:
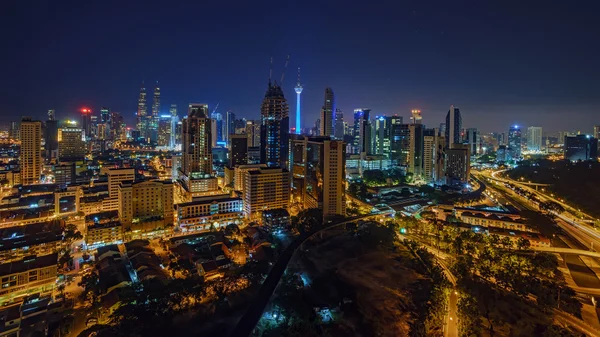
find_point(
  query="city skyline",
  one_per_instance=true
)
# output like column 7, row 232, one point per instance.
column 542, row 84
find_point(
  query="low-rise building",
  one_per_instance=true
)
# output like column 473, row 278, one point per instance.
column 276, row 218
column 206, row 213
column 33, row 239
column 101, row 234
column 494, row 220
column 30, row 275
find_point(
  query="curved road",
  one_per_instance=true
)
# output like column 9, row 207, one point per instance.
column 249, row 320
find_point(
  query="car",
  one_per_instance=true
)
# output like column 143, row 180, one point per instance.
column 91, row 321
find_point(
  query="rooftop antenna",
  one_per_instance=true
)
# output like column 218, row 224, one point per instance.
column 287, row 61
column 271, row 70
column 298, row 76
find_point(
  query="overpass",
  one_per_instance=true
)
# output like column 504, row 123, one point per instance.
column 567, row 251
column 254, row 312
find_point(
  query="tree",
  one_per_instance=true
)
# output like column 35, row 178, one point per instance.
column 523, row 243
column 506, row 242
column 66, row 258
column 71, row 233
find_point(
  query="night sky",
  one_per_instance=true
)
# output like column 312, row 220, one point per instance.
column 503, row 63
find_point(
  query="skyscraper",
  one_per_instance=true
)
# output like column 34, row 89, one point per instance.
column 50, row 134
column 154, row 119
column 174, row 122
column 415, row 117
column 433, row 156
column 219, row 128
column 381, row 140
column 238, row 150
column 229, row 125
column 298, row 90
column 581, row 147
column 71, row 146
column 362, row 131
column 457, row 165
column 197, row 146
column 253, row 133
column 318, row 168
column 31, row 151
column 141, row 121
column 165, row 124
column 197, row 151
column 473, row 140
column 453, row 126
column 415, row 151
column 275, row 128
column 534, row 138
column 339, row 124
column 514, row 142
column 87, row 125
column 327, row 116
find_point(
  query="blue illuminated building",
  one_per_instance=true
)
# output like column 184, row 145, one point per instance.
column 298, row 90
column 275, row 128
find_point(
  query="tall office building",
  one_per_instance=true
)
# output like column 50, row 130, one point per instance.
column 416, row 117
column 275, row 128
column 415, row 151
column 581, row 148
column 196, row 148
column 50, row 137
column 265, row 189
column 473, row 140
column 596, row 133
column 400, row 143
column 155, row 118
column 238, row 150
column 218, row 128
column 318, row 173
column 71, row 146
column 117, row 127
column 534, row 138
column 229, row 125
column 457, row 165
column 327, row 115
column 31, row 151
column 88, row 123
column 174, row 122
column 453, row 126
column 514, row 142
column 105, row 115
column 142, row 112
column 253, row 133
column 381, row 132
column 165, row 125
column 362, row 131
column 15, row 130
column 339, row 124
column 298, row 89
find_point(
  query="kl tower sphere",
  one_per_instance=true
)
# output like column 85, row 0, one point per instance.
column 298, row 90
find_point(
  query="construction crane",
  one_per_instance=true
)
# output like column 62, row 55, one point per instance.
column 215, row 110
column 287, row 61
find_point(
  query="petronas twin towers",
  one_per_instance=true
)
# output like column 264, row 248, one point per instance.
column 146, row 124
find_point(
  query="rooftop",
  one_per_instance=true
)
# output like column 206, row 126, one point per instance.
column 28, row 263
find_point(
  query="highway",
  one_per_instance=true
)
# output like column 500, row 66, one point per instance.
column 254, row 312
column 583, row 233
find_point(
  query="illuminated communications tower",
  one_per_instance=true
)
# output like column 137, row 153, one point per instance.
column 298, row 90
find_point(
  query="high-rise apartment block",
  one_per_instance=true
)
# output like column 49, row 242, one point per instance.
column 339, row 124
column 264, row 189
column 318, row 169
column 31, row 151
